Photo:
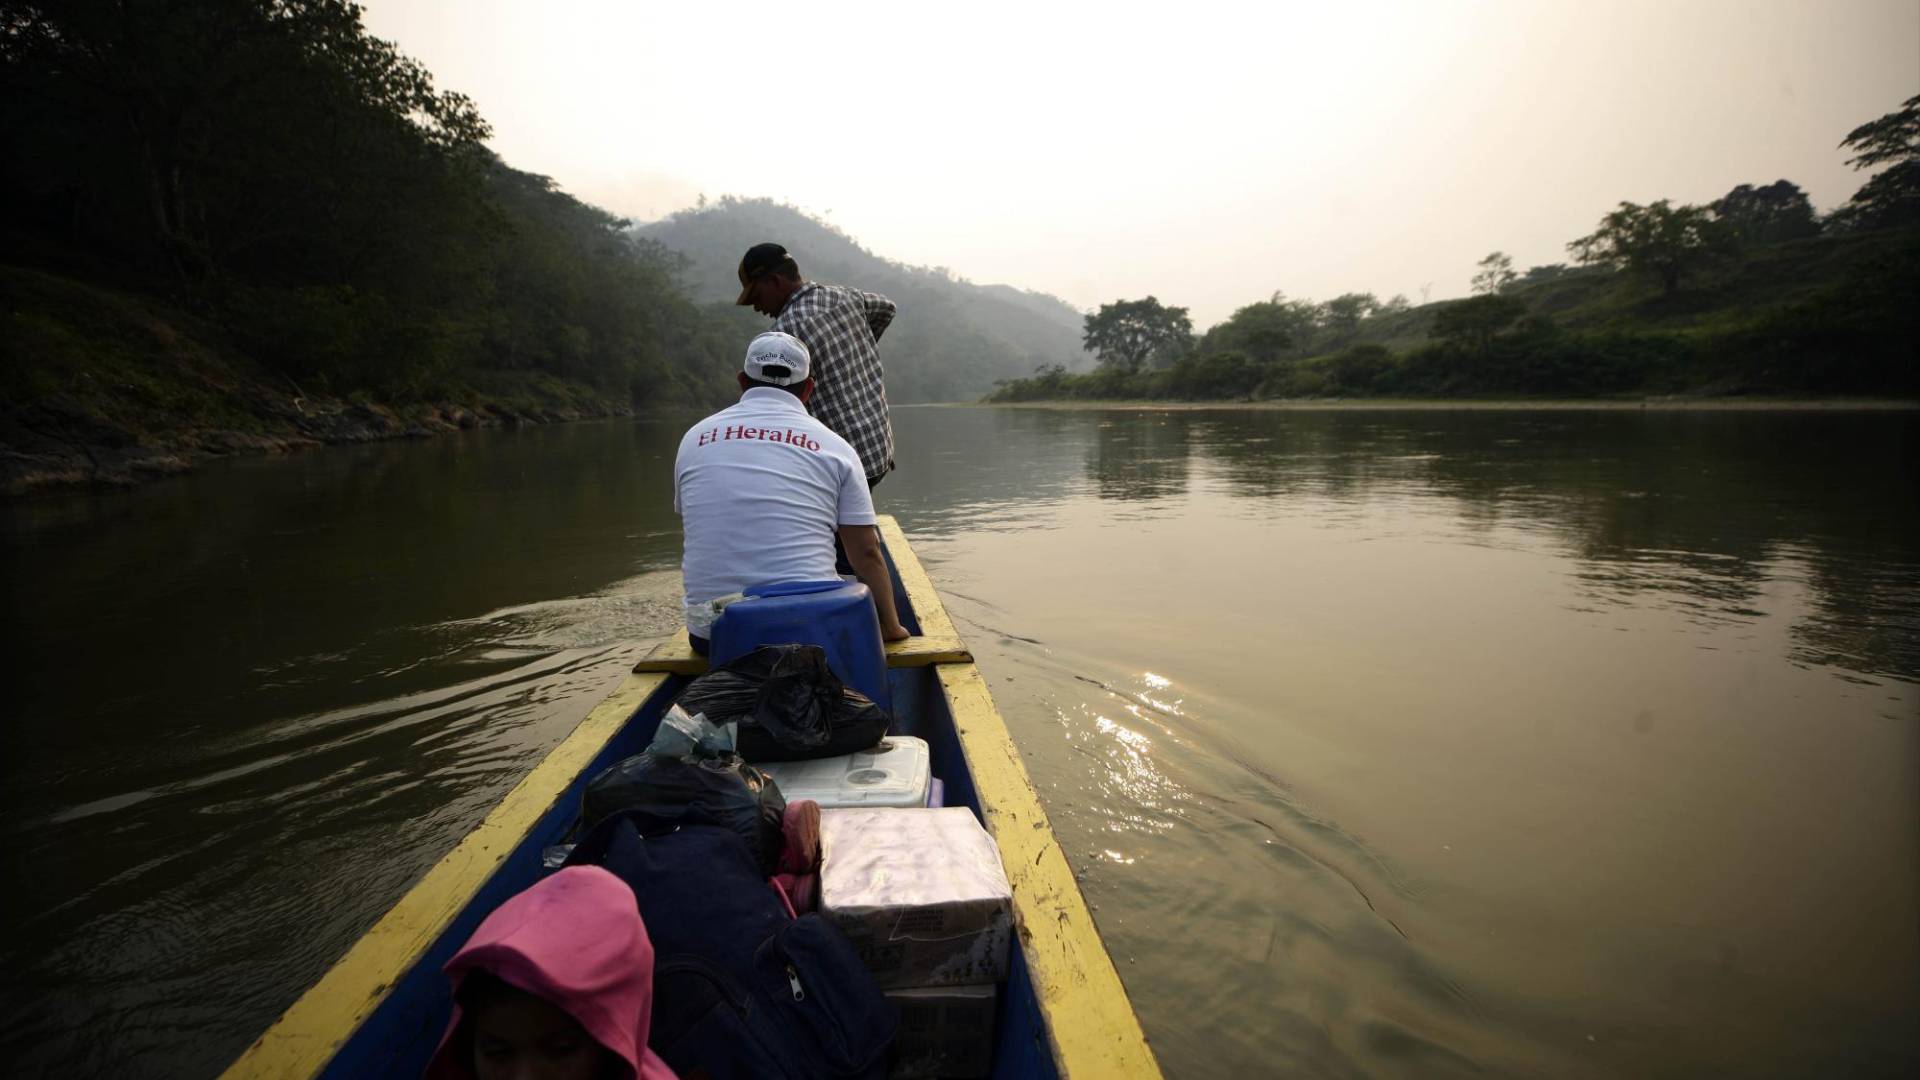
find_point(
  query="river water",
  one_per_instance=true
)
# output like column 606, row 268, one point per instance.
column 1384, row 743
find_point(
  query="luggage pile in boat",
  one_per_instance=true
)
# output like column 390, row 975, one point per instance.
column 920, row 892
column 812, row 915
column 662, row 788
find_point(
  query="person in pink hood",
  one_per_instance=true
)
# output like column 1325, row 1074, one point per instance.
column 557, row 982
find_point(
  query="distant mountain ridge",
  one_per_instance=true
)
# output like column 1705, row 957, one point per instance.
column 952, row 339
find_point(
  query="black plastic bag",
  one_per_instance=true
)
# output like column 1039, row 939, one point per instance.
column 661, row 792
column 789, row 704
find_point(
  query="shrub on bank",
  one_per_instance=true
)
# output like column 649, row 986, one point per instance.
column 1212, row 376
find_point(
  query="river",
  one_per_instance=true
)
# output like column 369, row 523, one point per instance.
column 1383, row 743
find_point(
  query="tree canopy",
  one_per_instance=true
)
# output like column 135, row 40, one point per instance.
column 1495, row 274
column 1264, row 332
column 1661, row 239
column 269, row 164
column 1128, row 335
column 1342, row 315
column 1892, row 197
column 225, row 134
column 1281, row 329
column 1767, row 214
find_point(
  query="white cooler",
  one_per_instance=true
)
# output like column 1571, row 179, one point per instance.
column 897, row 772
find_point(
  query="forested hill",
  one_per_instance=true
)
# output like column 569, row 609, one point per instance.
column 239, row 225
column 952, row 339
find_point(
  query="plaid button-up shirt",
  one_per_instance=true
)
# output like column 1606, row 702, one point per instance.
column 841, row 328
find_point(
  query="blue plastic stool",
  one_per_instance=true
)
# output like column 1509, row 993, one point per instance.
column 836, row 615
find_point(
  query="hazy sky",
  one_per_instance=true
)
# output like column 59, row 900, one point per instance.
column 1205, row 153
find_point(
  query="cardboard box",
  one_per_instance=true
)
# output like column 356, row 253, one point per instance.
column 945, row 1031
column 919, row 892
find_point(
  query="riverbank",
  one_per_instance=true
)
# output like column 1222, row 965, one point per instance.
column 102, row 387
column 58, row 442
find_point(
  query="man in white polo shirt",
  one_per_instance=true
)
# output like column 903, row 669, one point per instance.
column 762, row 488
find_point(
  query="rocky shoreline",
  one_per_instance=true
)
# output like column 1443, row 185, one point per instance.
column 56, row 443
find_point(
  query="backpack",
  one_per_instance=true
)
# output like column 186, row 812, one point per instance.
column 740, row 989
column 661, row 792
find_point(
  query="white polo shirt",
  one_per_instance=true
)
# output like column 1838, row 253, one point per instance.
column 761, row 488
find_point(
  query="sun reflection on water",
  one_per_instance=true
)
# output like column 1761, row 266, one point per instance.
column 1139, row 796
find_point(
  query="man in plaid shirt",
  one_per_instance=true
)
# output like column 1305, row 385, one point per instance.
column 841, row 328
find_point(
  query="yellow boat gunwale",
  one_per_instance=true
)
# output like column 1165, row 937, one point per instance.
column 1091, row 1027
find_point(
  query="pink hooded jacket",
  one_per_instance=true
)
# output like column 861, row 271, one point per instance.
column 576, row 940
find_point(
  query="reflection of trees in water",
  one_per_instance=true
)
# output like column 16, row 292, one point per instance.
column 257, row 565
column 982, row 468
column 1703, row 509
column 1140, row 456
column 1866, row 614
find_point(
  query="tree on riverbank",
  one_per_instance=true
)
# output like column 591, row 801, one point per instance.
column 1266, row 331
column 1892, row 197
column 1129, row 335
column 1660, row 239
column 1494, row 275
column 1341, row 316
column 1766, row 215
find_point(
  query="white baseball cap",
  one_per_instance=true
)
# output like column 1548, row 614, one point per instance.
column 777, row 358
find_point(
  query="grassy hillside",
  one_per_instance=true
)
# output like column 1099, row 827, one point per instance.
column 1735, row 291
column 1829, row 314
column 952, row 339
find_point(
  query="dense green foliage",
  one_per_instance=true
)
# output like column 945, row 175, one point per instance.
column 1266, row 331
column 305, row 195
column 1822, row 315
column 1766, row 215
column 1660, row 239
column 1474, row 323
column 1279, row 329
column 1495, row 273
column 952, row 339
column 1749, row 295
column 1892, row 197
column 1129, row 336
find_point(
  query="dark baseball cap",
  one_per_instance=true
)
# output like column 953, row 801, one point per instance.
column 761, row 259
